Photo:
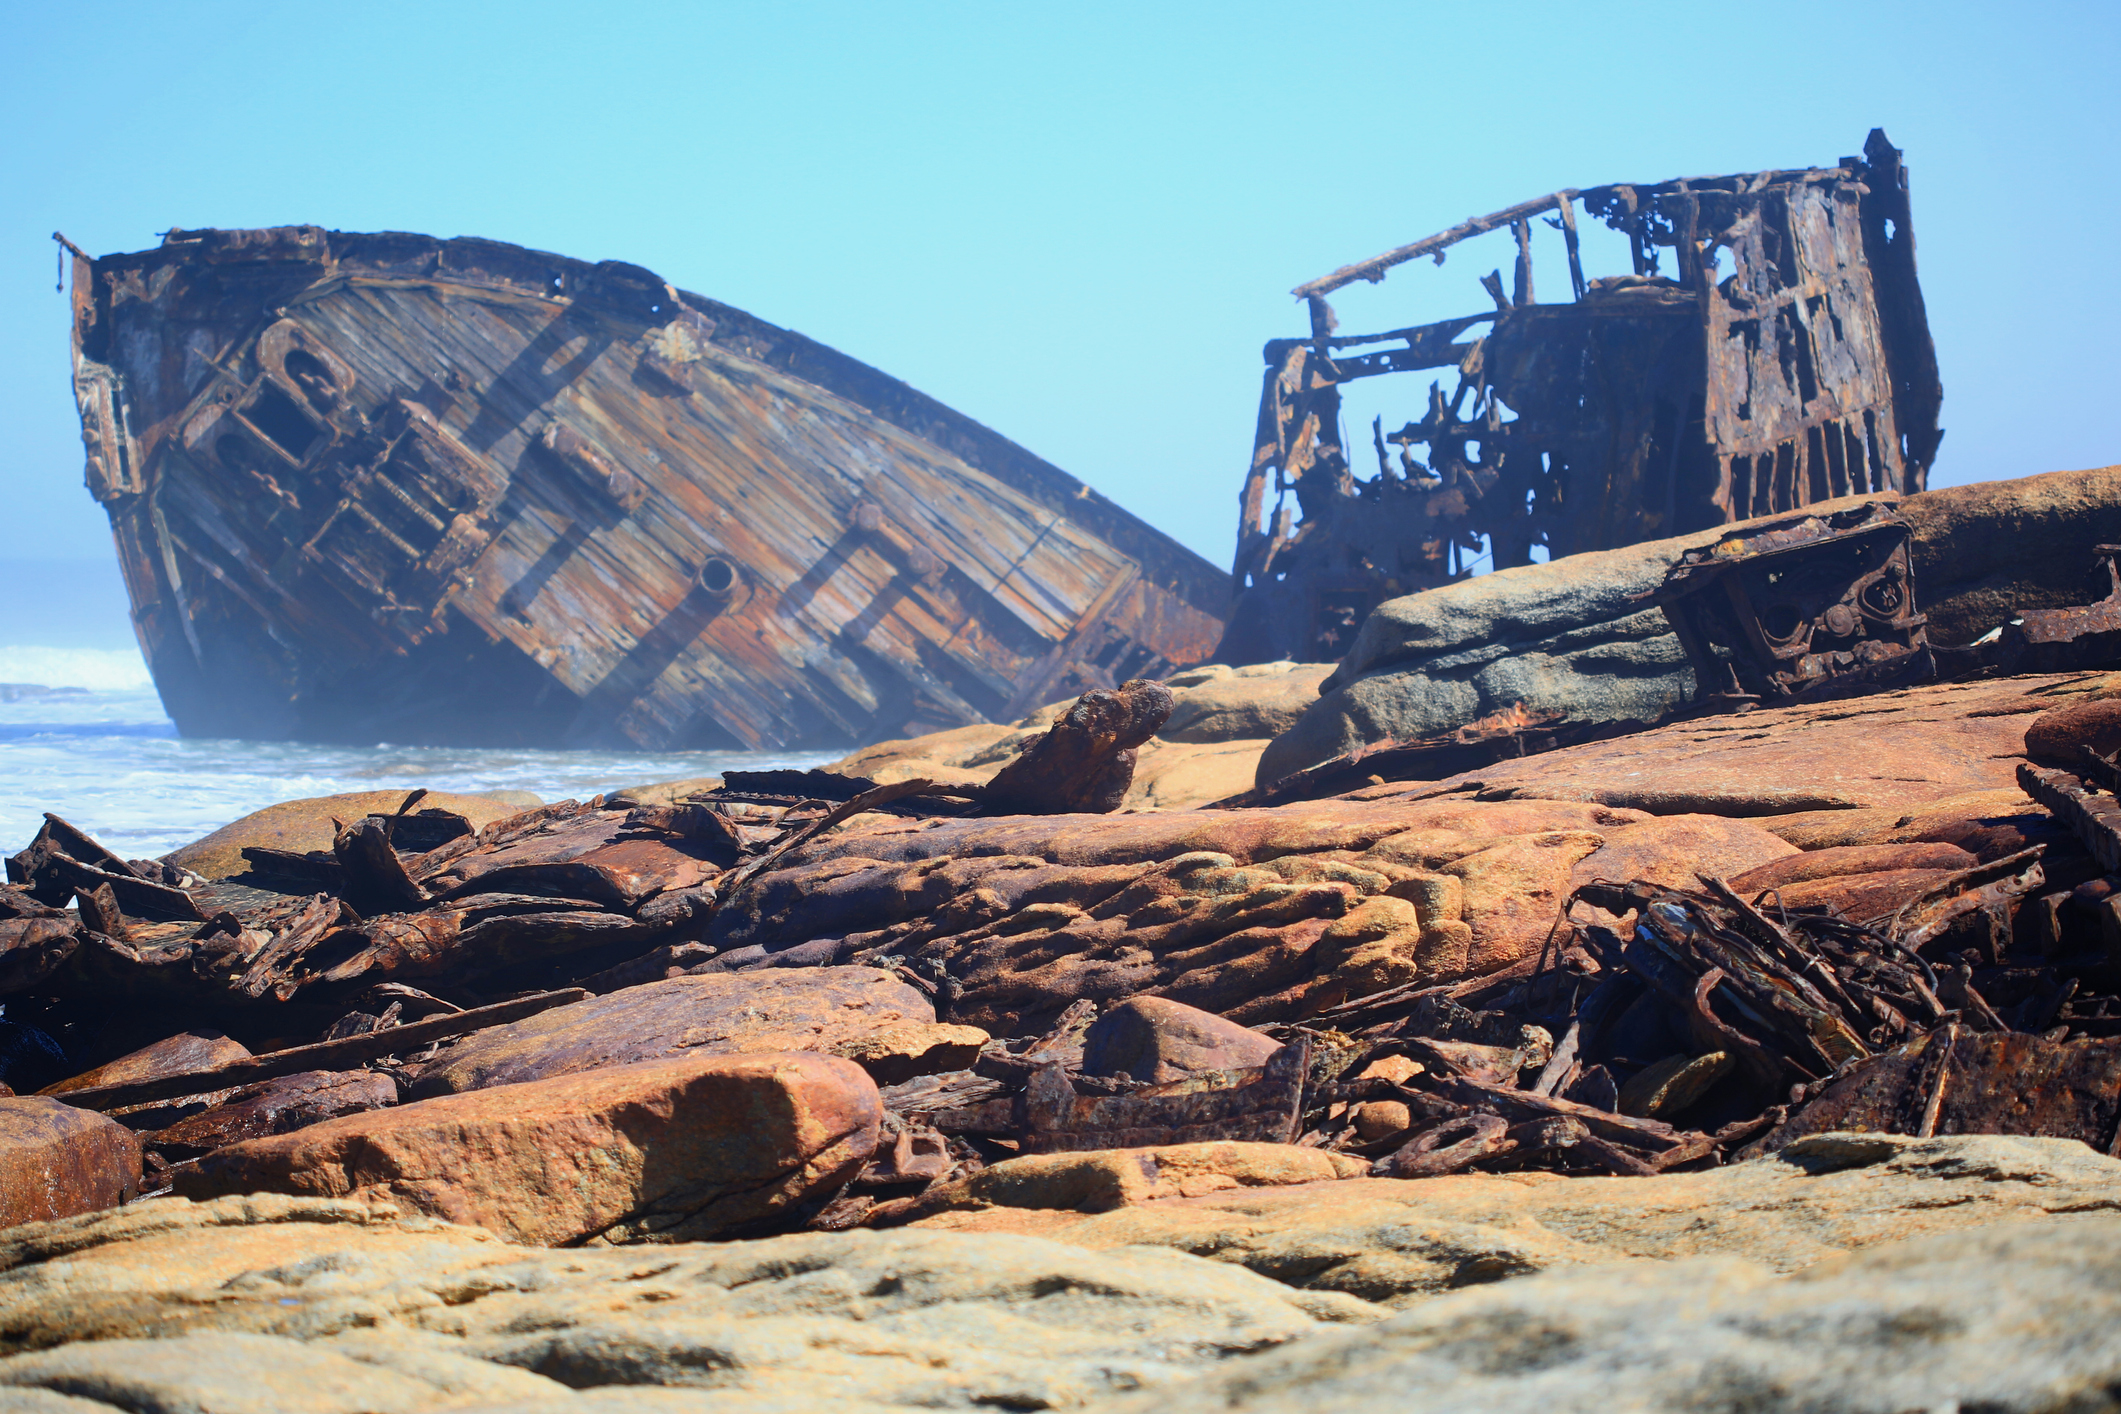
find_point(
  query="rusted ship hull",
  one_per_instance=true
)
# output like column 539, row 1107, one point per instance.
column 388, row 487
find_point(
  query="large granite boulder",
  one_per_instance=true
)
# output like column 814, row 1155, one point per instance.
column 663, row 1150
column 1575, row 635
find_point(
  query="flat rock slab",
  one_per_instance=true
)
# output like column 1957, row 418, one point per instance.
column 796, row 1009
column 333, row 1307
column 665, row 1150
column 2012, row 1319
column 271, row 1303
column 1099, row 1180
column 1255, row 915
column 1398, row 1241
column 1895, row 750
column 56, row 1161
column 1841, row 860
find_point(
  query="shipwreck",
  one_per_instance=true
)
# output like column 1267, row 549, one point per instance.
column 390, row 487
column 1768, row 350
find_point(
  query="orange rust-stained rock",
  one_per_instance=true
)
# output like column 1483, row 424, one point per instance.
column 1849, row 859
column 672, row 1150
column 1896, row 750
column 1254, row 915
column 1673, row 850
column 799, row 1009
column 1085, row 762
column 2056, row 737
column 1862, row 896
column 56, row 1161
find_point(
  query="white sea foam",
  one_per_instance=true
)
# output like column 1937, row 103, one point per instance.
column 99, row 669
column 111, row 762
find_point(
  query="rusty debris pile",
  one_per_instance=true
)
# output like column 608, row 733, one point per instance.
column 421, row 961
column 400, row 478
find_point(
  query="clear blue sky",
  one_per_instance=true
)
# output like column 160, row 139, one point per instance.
column 1075, row 223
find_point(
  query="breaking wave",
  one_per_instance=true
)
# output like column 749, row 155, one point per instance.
column 92, row 743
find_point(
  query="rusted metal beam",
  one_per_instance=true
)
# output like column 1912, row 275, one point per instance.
column 341, row 1054
column 1375, row 267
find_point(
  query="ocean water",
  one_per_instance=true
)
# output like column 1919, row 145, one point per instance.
column 97, row 749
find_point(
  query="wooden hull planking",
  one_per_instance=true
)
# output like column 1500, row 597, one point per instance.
column 388, row 487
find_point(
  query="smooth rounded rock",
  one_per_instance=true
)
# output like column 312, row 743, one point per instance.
column 1252, row 703
column 688, row 1148
column 2059, row 736
column 1152, row 1039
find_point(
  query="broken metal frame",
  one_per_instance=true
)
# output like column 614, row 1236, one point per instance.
column 1800, row 610
column 1651, row 404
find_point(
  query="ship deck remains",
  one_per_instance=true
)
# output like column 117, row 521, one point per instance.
column 1768, row 349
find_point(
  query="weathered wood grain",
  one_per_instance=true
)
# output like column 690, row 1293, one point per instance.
column 507, row 490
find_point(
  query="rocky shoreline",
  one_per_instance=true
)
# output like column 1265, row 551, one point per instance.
column 990, row 1070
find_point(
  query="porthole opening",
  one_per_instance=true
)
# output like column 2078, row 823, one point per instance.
column 717, row 576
